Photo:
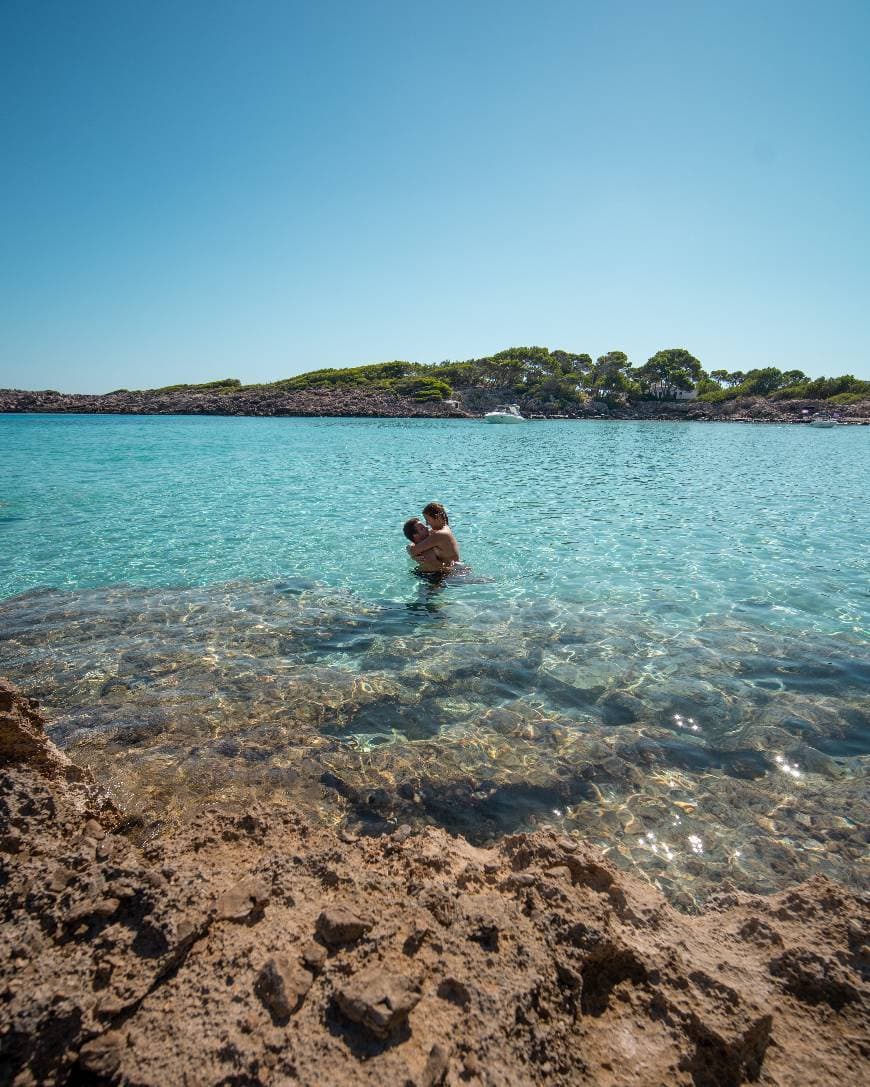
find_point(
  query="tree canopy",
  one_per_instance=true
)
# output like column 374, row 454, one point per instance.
column 560, row 377
column 778, row 385
column 670, row 371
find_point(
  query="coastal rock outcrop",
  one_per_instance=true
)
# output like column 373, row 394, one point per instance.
column 266, row 401
column 351, row 402
column 23, row 740
column 257, row 948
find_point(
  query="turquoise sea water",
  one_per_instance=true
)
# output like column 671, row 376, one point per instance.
column 662, row 645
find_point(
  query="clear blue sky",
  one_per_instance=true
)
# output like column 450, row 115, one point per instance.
column 193, row 190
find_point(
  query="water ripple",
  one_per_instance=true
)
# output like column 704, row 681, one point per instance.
column 727, row 754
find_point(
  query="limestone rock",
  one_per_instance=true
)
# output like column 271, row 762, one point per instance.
column 23, row 739
column 606, row 983
column 437, row 1065
column 378, row 1000
column 338, row 924
column 314, row 956
column 241, row 900
column 282, row 985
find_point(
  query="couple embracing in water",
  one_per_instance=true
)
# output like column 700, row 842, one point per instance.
column 433, row 545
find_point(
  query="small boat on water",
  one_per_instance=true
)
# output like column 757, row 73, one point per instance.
column 821, row 420
column 504, row 413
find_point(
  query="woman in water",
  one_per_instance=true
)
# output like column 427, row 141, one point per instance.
column 434, row 548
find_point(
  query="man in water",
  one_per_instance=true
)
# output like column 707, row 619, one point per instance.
column 434, row 548
column 416, row 532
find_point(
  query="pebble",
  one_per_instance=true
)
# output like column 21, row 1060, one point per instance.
column 185, row 930
column 240, row 901
column 471, row 1065
column 282, row 985
column 521, row 879
column 436, row 1068
column 101, row 907
column 61, row 878
column 338, row 924
column 11, row 841
column 105, row 907
column 314, row 956
column 101, row 1057
column 378, row 1000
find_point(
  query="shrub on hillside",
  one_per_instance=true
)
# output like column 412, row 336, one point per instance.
column 456, row 374
column 223, row 385
column 423, row 388
column 707, row 385
column 372, row 376
column 848, row 398
column 791, row 392
column 716, row 396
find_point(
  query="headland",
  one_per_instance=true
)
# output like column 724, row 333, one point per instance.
column 351, row 403
column 672, row 385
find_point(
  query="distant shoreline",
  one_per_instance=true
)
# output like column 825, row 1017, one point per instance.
column 341, row 403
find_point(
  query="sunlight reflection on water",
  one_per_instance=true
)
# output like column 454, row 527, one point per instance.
column 663, row 647
column 680, row 766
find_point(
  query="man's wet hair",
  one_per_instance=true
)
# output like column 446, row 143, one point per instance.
column 435, row 509
column 410, row 526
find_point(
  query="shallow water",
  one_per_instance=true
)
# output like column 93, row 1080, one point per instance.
column 663, row 645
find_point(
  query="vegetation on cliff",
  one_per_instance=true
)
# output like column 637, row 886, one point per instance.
column 561, row 377
column 778, row 385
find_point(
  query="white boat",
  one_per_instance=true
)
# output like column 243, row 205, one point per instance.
column 504, row 413
column 820, row 420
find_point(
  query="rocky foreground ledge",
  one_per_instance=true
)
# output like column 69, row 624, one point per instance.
column 253, row 948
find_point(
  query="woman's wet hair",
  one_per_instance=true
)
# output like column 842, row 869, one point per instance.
column 410, row 527
column 435, row 509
